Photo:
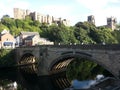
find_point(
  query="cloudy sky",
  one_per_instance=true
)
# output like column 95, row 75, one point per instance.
column 73, row 10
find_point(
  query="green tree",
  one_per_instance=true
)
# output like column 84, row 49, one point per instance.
column 2, row 27
column 116, row 35
column 85, row 25
column 6, row 58
column 104, row 35
column 82, row 36
column 19, row 23
column 82, row 30
column 36, row 23
column 9, row 22
column 54, row 33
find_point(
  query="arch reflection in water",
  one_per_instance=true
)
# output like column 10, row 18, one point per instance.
column 30, row 69
column 29, row 79
column 58, row 73
column 26, row 80
column 87, row 74
column 67, row 70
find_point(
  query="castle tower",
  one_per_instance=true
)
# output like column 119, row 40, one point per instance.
column 19, row 13
column 111, row 22
column 27, row 12
column 91, row 19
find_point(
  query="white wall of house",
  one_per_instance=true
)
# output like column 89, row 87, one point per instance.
column 44, row 41
column 35, row 40
column 7, row 40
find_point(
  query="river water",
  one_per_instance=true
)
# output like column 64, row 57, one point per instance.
column 26, row 79
column 15, row 78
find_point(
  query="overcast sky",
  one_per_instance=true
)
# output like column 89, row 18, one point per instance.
column 73, row 10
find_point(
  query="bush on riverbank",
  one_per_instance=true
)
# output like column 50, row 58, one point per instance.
column 6, row 57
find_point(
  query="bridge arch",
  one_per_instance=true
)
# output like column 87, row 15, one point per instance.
column 61, row 63
column 58, row 68
column 27, row 58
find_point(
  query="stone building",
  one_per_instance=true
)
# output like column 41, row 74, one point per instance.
column 21, row 14
column 41, row 18
column 32, row 39
column 91, row 19
column 6, row 40
column 111, row 22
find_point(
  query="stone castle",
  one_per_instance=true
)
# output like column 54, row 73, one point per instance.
column 111, row 21
column 21, row 14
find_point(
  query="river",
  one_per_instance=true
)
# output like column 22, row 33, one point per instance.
column 15, row 78
column 25, row 78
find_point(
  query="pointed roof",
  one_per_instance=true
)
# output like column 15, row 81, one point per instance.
column 30, row 37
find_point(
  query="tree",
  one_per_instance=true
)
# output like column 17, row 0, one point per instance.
column 85, row 25
column 104, row 36
column 82, row 31
column 2, row 27
column 19, row 23
column 8, row 22
column 36, row 23
column 82, row 36
column 54, row 33
column 6, row 16
column 116, row 35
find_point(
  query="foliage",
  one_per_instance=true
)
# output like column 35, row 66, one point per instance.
column 88, row 34
column 16, row 26
column 2, row 27
column 84, row 69
column 80, row 33
column 116, row 35
column 6, row 58
column 103, row 36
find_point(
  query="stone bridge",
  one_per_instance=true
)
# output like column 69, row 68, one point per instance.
column 52, row 59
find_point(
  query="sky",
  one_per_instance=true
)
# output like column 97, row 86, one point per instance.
column 73, row 10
